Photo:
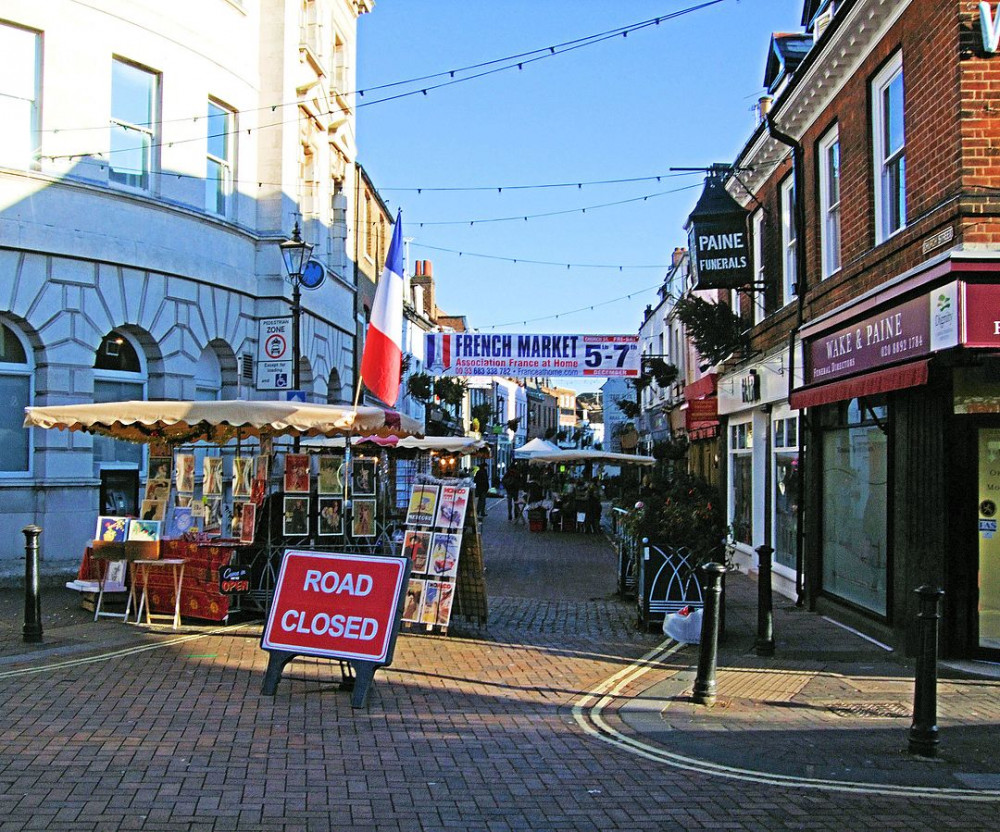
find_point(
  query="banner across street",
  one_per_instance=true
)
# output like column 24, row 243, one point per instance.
column 520, row 355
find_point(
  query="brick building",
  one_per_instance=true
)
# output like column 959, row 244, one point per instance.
column 862, row 433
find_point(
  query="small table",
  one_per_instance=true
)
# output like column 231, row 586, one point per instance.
column 140, row 570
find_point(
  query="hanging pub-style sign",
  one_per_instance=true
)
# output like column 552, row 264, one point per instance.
column 718, row 239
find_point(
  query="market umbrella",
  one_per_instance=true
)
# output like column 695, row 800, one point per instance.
column 177, row 422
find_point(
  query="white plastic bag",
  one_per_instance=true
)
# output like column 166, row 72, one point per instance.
column 684, row 625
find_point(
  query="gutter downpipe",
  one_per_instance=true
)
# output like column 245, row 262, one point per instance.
column 798, row 172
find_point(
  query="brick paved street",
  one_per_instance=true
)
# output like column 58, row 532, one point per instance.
column 475, row 731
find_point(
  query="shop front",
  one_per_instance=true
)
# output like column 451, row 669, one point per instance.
column 701, row 426
column 902, row 470
column 762, row 465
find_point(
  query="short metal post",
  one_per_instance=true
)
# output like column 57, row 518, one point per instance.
column 32, row 596
column 704, row 683
column 765, row 605
column 924, row 731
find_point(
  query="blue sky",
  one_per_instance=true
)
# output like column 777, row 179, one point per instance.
column 675, row 95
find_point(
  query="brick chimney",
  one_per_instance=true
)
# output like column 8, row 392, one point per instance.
column 678, row 255
column 423, row 279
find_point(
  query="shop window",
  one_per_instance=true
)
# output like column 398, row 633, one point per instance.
column 889, row 144
column 15, row 394
column 20, row 72
column 786, row 490
column 134, row 126
column 741, row 482
column 829, row 196
column 855, row 505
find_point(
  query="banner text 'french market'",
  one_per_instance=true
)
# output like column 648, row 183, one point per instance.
column 515, row 355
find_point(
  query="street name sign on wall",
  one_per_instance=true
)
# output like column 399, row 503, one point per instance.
column 274, row 354
column 335, row 606
column 526, row 356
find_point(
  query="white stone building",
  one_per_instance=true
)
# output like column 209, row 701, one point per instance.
column 152, row 156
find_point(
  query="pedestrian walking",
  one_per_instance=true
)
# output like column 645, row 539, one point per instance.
column 482, row 483
column 511, row 486
column 593, row 509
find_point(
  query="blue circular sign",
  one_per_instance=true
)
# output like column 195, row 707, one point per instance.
column 313, row 275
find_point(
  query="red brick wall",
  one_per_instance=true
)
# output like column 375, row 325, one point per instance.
column 952, row 120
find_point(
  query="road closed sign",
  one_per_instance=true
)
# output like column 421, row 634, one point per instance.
column 336, row 606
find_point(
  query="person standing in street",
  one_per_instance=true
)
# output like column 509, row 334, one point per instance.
column 482, row 483
column 511, row 486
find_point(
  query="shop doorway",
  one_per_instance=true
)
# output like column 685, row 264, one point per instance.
column 988, row 618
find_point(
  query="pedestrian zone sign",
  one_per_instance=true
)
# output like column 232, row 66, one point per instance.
column 274, row 354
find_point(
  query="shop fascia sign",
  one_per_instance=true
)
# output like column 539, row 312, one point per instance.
column 912, row 329
column 718, row 240
column 763, row 382
column 989, row 28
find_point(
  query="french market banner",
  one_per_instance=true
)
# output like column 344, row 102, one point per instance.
column 551, row 354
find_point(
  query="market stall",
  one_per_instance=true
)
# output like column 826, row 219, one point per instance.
column 441, row 539
column 249, row 501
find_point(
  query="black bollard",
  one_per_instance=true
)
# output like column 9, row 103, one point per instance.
column 32, row 596
column 704, row 683
column 764, row 646
column 924, row 731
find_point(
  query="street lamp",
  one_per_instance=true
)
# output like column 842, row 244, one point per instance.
column 295, row 253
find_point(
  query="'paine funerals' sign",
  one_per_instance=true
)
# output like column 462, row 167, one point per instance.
column 718, row 240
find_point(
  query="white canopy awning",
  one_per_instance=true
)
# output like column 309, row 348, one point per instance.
column 574, row 455
column 534, row 447
column 440, row 444
column 176, row 422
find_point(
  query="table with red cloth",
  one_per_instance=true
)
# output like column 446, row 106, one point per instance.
column 200, row 596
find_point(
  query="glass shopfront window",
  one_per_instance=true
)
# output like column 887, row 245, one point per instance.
column 855, row 503
column 786, row 490
column 741, row 482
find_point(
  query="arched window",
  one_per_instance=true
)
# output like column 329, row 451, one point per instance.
column 208, row 377
column 15, row 394
column 119, row 375
column 333, row 391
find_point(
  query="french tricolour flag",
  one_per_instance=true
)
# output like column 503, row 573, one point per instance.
column 384, row 339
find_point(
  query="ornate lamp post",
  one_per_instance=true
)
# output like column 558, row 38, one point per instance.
column 295, row 254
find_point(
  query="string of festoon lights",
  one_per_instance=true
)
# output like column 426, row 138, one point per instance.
column 508, row 63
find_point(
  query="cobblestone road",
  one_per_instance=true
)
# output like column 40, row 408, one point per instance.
column 475, row 731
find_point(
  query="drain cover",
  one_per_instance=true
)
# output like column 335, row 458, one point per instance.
column 871, row 710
